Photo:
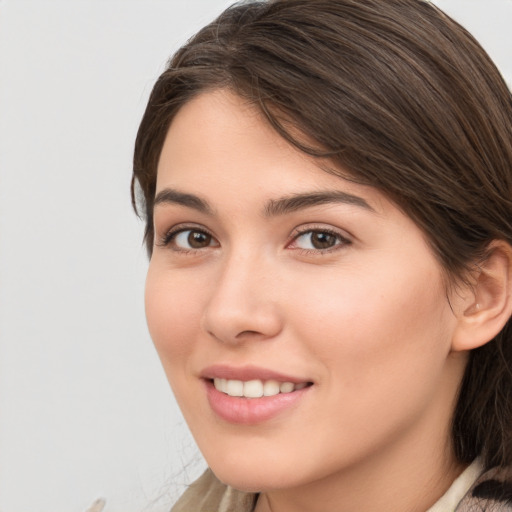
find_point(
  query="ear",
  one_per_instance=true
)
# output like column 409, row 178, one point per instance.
column 485, row 306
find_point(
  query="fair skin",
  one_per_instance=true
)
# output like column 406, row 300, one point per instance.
column 336, row 291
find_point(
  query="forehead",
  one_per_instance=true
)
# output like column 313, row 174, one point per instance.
column 220, row 129
column 219, row 142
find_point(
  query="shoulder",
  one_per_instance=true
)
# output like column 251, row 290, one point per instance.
column 208, row 494
column 491, row 492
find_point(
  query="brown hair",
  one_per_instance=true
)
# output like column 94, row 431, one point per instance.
column 404, row 99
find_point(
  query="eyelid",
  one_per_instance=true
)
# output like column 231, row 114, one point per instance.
column 343, row 237
column 166, row 238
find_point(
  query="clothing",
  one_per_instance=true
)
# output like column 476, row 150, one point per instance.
column 468, row 493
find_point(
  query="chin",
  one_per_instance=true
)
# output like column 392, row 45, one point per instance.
column 249, row 476
column 248, row 482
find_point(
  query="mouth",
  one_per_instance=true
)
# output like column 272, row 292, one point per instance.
column 250, row 395
column 256, row 388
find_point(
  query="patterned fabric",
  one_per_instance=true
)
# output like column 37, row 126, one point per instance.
column 458, row 489
column 207, row 494
column 483, row 495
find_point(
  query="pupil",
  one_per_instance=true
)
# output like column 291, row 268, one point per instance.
column 198, row 240
column 322, row 240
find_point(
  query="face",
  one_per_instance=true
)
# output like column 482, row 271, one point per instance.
column 301, row 319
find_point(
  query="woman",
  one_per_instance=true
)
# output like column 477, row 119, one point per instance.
column 327, row 192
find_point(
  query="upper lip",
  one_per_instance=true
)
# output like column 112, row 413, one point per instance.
column 246, row 373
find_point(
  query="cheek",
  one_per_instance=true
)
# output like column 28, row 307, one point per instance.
column 172, row 309
column 374, row 324
column 382, row 341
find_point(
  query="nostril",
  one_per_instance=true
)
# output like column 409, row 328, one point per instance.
column 247, row 333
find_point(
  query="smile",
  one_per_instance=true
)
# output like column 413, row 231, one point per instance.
column 252, row 395
column 255, row 388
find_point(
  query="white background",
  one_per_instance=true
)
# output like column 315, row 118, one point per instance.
column 85, row 409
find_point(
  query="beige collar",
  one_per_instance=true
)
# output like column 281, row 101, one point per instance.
column 459, row 488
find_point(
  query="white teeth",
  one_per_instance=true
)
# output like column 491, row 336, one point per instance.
column 221, row 385
column 271, row 388
column 235, row 388
column 286, row 387
column 255, row 388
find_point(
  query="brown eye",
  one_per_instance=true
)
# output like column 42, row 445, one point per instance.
column 317, row 240
column 321, row 240
column 191, row 239
column 198, row 240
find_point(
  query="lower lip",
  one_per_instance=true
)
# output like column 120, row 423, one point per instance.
column 250, row 411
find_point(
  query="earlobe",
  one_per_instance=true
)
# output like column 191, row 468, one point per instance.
column 487, row 304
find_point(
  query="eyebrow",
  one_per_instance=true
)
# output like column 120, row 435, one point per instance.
column 296, row 202
column 274, row 207
column 171, row 196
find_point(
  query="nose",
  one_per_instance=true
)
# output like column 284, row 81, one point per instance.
column 243, row 305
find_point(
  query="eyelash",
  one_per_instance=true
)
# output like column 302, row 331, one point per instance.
column 341, row 241
column 170, row 236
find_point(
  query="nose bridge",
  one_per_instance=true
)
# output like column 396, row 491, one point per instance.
column 242, row 304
